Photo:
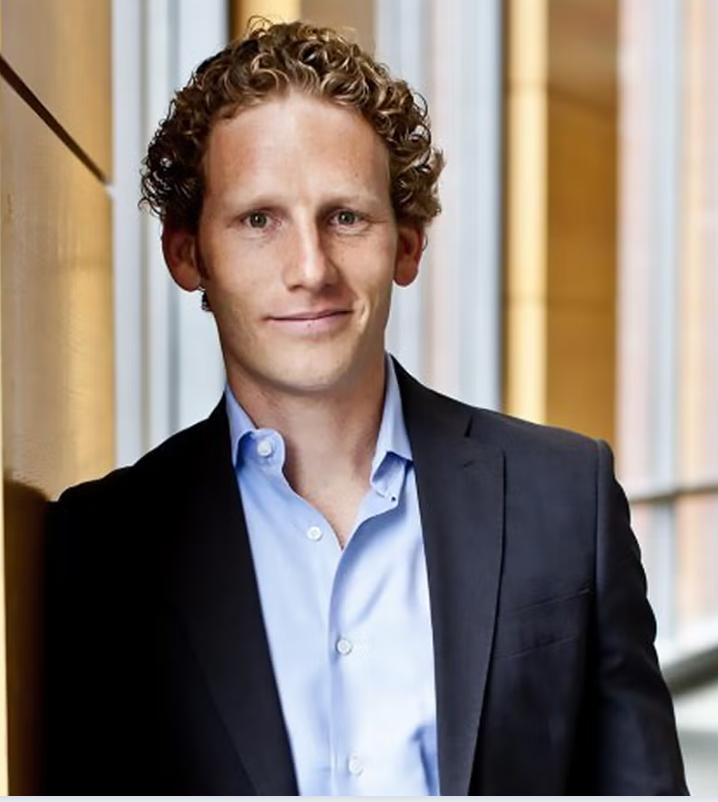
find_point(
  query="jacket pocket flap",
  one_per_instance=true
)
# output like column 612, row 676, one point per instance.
column 531, row 627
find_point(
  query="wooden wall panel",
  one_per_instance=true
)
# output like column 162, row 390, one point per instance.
column 561, row 212
column 582, row 256
column 525, row 210
column 582, row 204
column 61, row 51
column 582, row 62
column 355, row 17
column 241, row 11
column 3, row 639
column 56, row 310
column 57, row 376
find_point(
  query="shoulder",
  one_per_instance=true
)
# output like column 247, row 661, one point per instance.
column 161, row 468
column 544, row 454
column 129, row 512
column 518, row 440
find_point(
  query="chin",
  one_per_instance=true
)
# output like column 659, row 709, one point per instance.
column 313, row 382
column 289, row 372
column 317, row 376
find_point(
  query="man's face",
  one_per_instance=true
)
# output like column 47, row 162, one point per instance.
column 297, row 246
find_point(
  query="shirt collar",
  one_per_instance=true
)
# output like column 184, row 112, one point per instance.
column 392, row 438
column 240, row 424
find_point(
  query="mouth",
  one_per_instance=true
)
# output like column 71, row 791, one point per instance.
column 315, row 323
column 306, row 317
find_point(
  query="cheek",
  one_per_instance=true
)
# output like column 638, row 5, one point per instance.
column 378, row 297
column 233, row 272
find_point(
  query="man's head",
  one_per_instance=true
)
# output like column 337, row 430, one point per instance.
column 273, row 60
column 295, row 180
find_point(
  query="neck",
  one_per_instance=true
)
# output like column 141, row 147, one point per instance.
column 330, row 438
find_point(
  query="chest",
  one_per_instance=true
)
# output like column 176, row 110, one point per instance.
column 351, row 642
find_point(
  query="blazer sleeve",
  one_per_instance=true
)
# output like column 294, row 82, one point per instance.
column 83, row 591
column 632, row 747
column 68, row 680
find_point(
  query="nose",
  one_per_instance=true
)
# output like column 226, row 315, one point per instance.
column 309, row 266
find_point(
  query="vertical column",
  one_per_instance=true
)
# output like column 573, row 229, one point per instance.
column 354, row 15
column 695, row 353
column 651, row 212
column 403, row 42
column 526, row 209
column 462, row 309
column 3, row 650
column 561, row 212
column 57, row 320
column 241, row 11
column 168, row 361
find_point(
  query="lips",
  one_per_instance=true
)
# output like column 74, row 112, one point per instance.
column 306, row 316
column 314, row 323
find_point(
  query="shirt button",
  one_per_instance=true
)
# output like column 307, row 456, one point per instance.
column 344, row 646
column 265, row 448
column 355, row 766
column 314, row 533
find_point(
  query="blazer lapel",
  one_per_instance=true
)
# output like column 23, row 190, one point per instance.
column 215, row 592
column 214, row 588
column 460, row 483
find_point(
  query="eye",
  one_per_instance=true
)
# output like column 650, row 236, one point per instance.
column 257, row 220
column 345, row 217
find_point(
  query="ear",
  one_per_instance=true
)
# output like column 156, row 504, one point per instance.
column 408, row 254
column 180, row 251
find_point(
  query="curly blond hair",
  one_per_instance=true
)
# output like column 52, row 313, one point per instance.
column 275, row 58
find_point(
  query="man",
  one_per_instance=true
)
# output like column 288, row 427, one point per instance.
column 341, row 582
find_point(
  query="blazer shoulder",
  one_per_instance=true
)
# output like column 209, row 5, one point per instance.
column 518, row 435
column 428, row 407
column 148, row 475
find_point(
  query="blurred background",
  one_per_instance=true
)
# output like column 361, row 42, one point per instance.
column 572, row 278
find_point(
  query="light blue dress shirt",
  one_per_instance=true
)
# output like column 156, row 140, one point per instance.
column 349, row 631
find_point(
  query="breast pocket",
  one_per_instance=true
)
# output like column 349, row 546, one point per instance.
column 523, row 630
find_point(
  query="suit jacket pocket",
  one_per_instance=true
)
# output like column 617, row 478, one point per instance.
column 535, row 626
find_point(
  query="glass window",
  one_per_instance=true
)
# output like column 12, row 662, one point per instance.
column 668, row 308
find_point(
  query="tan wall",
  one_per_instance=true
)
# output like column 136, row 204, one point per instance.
column 276, row 10
column 57, row 368
column 62, row 52
column 354, row 16
column 3, row 651
column 561, row 212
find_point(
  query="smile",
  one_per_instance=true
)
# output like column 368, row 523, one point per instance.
column 304, row 316
column 308, row 323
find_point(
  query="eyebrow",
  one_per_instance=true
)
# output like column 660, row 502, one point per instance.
column 266, row 200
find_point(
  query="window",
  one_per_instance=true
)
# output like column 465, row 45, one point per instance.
column 668, row 309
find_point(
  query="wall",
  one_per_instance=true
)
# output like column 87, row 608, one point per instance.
column 57, row 354
column 561, row 212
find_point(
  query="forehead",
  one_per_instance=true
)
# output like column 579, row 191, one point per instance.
column 295, row 136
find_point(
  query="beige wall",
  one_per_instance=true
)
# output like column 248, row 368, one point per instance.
column 561, row 212
column 3, row 651
column 57, row 369
column 353, row 16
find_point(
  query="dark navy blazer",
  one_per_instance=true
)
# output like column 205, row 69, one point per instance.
column 159, row 678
